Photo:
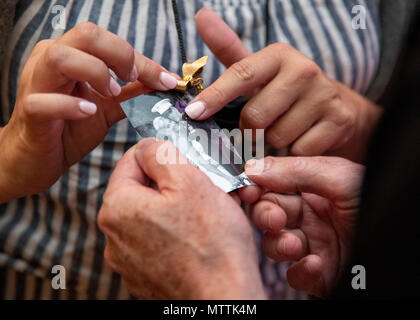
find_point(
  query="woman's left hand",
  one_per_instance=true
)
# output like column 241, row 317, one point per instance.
column 296, row 103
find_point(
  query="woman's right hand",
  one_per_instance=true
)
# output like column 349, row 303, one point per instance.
column 58, row 119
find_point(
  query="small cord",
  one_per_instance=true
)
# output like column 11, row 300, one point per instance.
column 179, row 31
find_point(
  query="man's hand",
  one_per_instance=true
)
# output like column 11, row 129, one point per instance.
column 290, row 97
column 185, row 239
column 58, row 119
column 308, row 209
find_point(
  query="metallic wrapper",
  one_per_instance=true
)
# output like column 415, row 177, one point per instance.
column 161, row 115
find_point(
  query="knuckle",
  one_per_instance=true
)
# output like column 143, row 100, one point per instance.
column 55, row 55
column 42, row 45
column 280, row 47
column 308, row 70
column 108, row 255
column 300, row 149
column 243, row 70
column 86, row 32
column 105, row 219
column 253, row 117
column 28, row 105
column 101, row 72
column 102, row 220
column 147, row 68
column 110, row 259
column 297, row 166
column 343, row 118
column 331, row 95
column 275, row 139
column 129, row 52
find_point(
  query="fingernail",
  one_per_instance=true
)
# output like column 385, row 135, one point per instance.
column 134, row 75
column 114, row 87
column 195, row 109
column 257, row 166
column 167, row 80
column 87, row 107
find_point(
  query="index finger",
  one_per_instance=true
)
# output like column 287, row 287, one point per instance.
column 241, row 77
column 332, row 178
column 220, row 38
column 118, row 55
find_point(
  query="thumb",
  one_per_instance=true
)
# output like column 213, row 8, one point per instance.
column 329, row 177
column 220, row 38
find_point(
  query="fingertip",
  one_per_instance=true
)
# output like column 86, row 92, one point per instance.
column 143, row 145
column 256, row 167
column 313, row 264
column 87, row 108
column 250, row 194
column 195, row 110
column 134, row 74
column 168, row 80
column 114, row 87
column 304, row 274
column 268, row 216
column 202, row 13
column 290, row 247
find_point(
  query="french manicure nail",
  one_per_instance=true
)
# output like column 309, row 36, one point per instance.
column 114, row 87
column 134, row 74
column 87, row 107
column 167, row 80
column 195, row 109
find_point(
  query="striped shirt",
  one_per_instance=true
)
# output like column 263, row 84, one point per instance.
column 58, row 226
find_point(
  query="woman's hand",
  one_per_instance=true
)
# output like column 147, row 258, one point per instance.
column 290, row 97
column 184, row 239
column 308, row 209
column 58, row 119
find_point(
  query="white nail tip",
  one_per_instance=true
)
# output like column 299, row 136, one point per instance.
column 168, row 80
column 195, row 109
column 87, row 107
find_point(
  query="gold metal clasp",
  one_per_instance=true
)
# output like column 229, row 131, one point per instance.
column 190, row 75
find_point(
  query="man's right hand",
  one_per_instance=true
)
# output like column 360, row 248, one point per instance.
column 182, row 238
column 57, row 118
column 308, row 209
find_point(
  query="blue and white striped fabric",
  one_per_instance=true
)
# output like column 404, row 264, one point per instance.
column 59, row 226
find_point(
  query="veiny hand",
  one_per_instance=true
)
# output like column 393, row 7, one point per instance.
column 308, row 209
column 187, row 239
column 290, row 97
column 58, row 118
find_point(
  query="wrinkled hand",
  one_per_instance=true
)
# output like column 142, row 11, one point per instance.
column 297, row 105
column 186, row 239
column 308, row 209
column 58, row 118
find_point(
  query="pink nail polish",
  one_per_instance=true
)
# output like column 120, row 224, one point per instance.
column 114, row 87
column 87, row 107
column 195, row 109
column 167, row 80
column 134, row 74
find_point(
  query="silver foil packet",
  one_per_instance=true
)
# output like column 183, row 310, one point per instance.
column 161, row 115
